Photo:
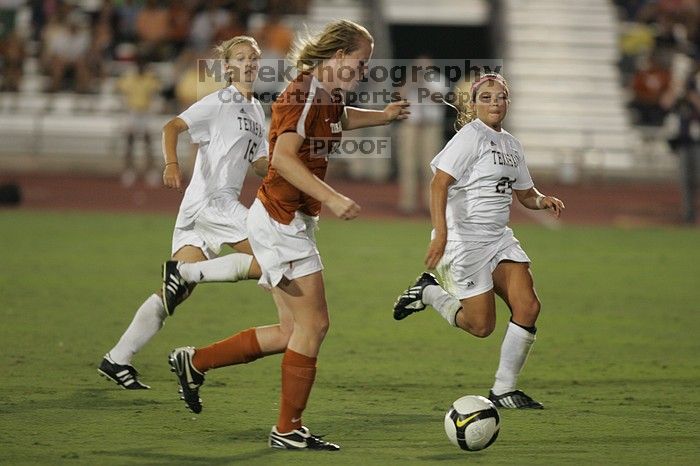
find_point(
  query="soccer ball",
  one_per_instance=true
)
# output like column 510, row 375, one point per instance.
column 472, row 423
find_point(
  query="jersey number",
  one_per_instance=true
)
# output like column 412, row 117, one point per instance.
column 250, row 150
column 505, row 185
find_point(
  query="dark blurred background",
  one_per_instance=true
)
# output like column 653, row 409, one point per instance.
column 604, row 93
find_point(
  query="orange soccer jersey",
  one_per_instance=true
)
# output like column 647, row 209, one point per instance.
column 310, row 111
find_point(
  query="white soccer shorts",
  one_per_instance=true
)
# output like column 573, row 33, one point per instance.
column 216, row 224
column 466, row 267
column 283, row 250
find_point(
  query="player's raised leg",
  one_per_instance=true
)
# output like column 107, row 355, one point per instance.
column 426, row 291
column 178, row 275
column 411, row 300
column 148, row 320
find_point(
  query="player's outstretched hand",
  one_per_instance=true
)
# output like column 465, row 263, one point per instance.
column 397, row 110
column 553, row 204
column 172, row 177
column 436, row 249
column 343, row 207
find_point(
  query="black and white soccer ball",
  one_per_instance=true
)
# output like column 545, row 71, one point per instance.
column 472, row 423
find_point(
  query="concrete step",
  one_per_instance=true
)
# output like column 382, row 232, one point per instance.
column 564, row 87
column 564, row 36
column 552, row 70
column 534, row 51
column 583, row 123
column 574, row 139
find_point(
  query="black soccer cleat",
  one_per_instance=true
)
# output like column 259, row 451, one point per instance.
column 123, row 375
column 514, row 400
column 299, row 439
column 189, row 378
column 411, row 300
column 174, row 289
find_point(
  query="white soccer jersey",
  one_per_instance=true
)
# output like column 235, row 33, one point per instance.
column 230, row 131
column 487, row 165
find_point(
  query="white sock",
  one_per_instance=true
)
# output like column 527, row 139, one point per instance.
column 443, row 302
column 514, row 350
column 146, row 323
column 229, row 268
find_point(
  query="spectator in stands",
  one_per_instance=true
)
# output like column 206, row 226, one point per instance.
column 8, row 13
column 687, row 142
column 185, row 87
column 420, row 137
column 12, row 54
column 102, row 44
column 629, row 10
column 139, row 87
column 276, row 36
column 207, row 23
column 669, row 33
column 276, row 39
column 127, row 13
column 637, row 41
column 67, row 45
column 230, row 28
column 153, row 30
column 292, row 7
column 649, row 84
column 180, row 23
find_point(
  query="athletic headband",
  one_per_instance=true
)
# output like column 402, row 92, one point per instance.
column 488, row 77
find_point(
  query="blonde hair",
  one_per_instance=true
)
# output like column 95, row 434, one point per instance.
column 225, row 49
column 466, row 113
column 341, row 34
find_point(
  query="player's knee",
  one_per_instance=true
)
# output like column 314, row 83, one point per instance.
column 528, row 311
column 482, row 331
column 483, row 328
column 315, row 329
column 321, row 327
column 285, row 332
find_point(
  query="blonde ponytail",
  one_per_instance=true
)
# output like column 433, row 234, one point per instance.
column 465, row 115
column 341, row 34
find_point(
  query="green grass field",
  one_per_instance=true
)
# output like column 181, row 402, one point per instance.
column 616, row 363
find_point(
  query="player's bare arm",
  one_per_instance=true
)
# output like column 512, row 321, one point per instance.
column 535, row 200
column 288, row 165
column 355, row 118
column 172, row 176
column 438, row 203
column 260, row 166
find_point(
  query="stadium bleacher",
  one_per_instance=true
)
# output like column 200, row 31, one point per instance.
column 562, row 60
column 560, row 57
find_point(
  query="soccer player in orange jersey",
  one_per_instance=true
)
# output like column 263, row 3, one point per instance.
column 282, row 220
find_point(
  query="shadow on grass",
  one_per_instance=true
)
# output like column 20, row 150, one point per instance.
column 159, row 457
column 86, row 398
column 456, row 456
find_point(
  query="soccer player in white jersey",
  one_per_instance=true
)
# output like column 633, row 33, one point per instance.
column 472, row 249
column 229, row 126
